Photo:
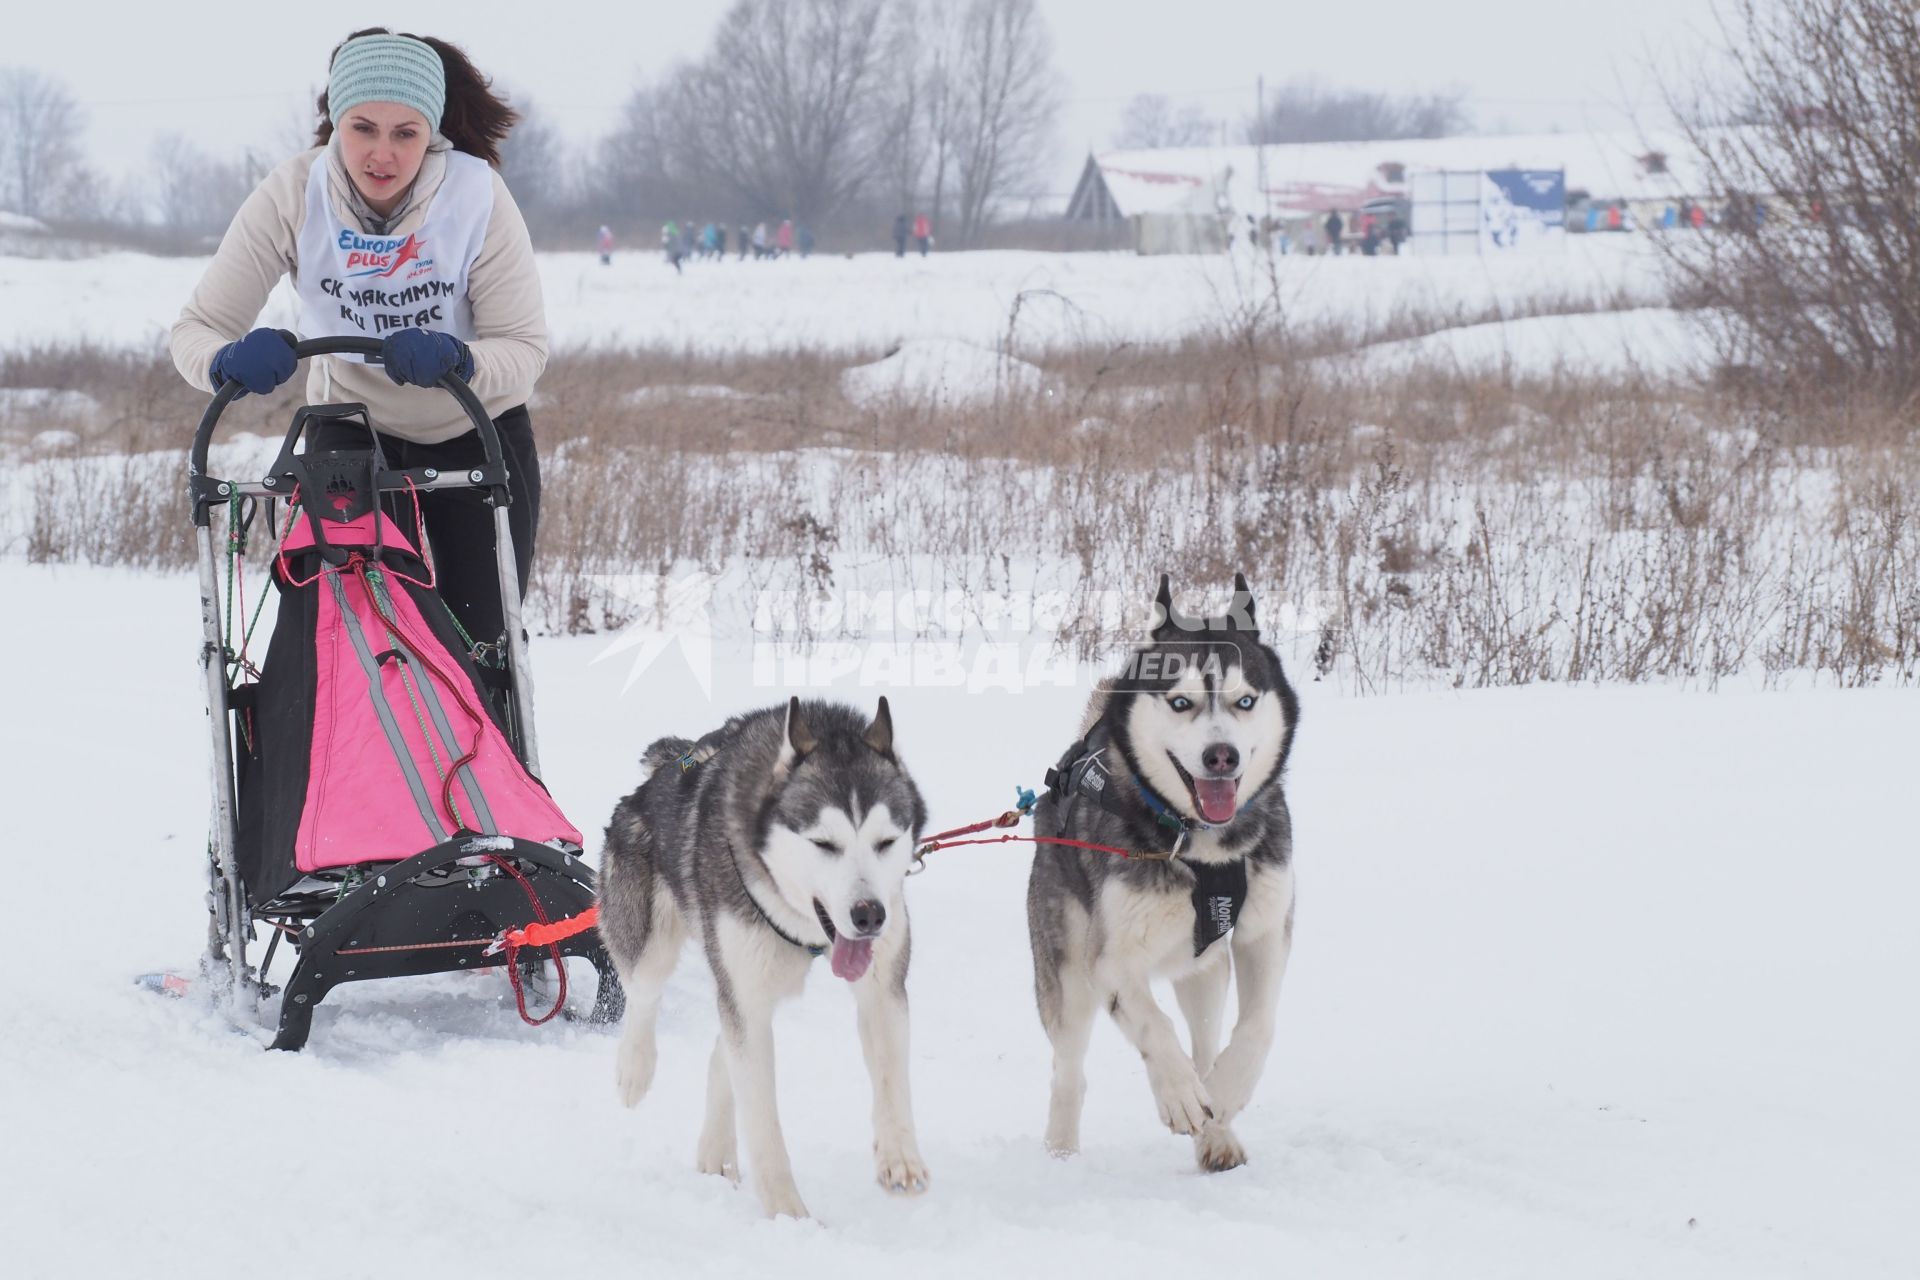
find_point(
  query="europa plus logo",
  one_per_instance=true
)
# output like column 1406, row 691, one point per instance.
column 381, row 256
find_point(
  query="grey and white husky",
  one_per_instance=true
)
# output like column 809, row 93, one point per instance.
column 780, row 837
column 1180, row 756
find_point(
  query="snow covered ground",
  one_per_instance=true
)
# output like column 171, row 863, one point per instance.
column 1588, row 982
column 872, row 302
column 1658, row 342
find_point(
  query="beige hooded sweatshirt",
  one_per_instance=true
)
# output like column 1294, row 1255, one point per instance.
column 261, row 246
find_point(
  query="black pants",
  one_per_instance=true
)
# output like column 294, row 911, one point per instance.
column 459, row 522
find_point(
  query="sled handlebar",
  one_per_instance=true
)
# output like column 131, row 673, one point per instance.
column 453, row 384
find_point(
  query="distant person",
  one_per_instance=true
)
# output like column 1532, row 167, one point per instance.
column 604, row 242
column 720, row 241
column 1370, row 239
column 670, row 243
column 923, row 232
column 783, row 238
column 709, row 241
column 805, row 238
column 1613, row 217
column 1396, row 233
column 1333, row 226
column 759, row 240
column 746, row 242
column 1698, row 217
column 900, row 236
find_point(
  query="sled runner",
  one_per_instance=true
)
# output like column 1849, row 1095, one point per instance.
column 376, row 801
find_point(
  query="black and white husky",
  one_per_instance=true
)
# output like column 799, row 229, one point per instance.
column 780, row 837
column 1180, row 755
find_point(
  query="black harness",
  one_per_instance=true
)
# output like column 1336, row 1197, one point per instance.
column 1219, row 888
column 813, row 952
column 702, row 752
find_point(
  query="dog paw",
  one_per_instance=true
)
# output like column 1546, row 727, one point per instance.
column 634, row 1073
column 782, row 1201
column 900, row 1171
column 721, row 1161
column 1062, row 1146
column 1181, row 1098
column 1217, row 1149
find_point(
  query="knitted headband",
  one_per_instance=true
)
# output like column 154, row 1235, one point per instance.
column 388, row 69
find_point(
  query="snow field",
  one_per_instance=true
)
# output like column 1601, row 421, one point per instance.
column 1587, row 983
column 874, row 302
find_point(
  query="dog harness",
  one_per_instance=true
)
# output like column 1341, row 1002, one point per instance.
column 1219, row 888
column 702, row 752
column 1219, row 891
column 813, row 952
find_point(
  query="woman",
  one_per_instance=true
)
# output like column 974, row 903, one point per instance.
column 396, row 226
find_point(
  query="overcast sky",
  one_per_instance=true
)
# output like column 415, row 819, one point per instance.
column 233, row 75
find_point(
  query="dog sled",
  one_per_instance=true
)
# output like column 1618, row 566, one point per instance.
column 377, row 809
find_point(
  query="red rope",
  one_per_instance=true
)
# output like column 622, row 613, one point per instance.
column 931, row 845
column 513, row 950
column 542, row 935
column 1011, row 818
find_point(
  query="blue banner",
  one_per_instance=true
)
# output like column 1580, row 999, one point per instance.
column 1522, row 208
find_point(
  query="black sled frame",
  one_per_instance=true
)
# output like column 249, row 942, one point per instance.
column 436, row 912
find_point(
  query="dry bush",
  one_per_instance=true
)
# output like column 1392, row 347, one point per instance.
column 1812, row 272
column 1434, row 525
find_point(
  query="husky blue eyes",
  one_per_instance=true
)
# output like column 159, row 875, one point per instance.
column 1180, row 702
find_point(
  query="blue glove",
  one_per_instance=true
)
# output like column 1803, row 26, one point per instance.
column 259, row 362
column 421, row 357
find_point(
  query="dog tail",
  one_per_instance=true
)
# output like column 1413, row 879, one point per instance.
column 665, row 751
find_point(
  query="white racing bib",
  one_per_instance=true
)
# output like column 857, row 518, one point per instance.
column 353, row 285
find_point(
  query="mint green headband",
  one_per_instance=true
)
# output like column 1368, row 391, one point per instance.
column 388, row 69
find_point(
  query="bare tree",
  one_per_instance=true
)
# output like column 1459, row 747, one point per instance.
column 630, row 169
column 1006, row 96
column 195, row 194
column 533, row 162
column 40, row 126
column 1813, row 268
column 941, row 33
column 1306, row 111
column 782, row 109
column 1150, row 120
column 903, row 126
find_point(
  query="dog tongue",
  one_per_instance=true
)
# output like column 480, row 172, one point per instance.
column 1216, row 796
column 851, row 956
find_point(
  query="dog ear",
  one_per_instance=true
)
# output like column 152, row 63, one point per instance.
column 1165, row 622
column 1240, row 612
column 800, row 739
column 879, row 734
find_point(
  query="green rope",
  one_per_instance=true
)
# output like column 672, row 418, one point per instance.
column 293, row 509
column 499, row 660
column 233, row 538
column 377, row 581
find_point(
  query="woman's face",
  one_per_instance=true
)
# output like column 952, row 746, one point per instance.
column 383, row 144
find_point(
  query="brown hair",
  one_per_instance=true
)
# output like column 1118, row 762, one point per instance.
column 477, row 119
